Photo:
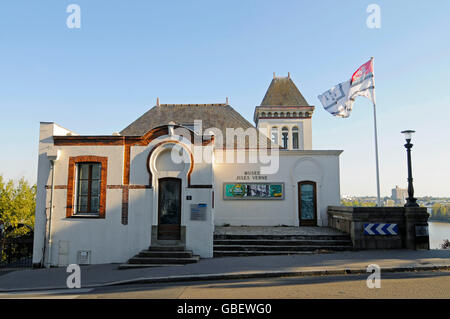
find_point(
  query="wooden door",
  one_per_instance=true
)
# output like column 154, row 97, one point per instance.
column 169, row 208
column 307, row 203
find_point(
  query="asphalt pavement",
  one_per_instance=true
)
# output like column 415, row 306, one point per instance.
column 232, row 268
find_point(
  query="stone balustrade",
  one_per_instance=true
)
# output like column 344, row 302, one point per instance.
column 412, row 224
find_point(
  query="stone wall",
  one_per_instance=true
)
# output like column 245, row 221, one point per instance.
column 412, row 225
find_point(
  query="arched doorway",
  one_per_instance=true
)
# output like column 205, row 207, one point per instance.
column 169, row 208
column 307, row 203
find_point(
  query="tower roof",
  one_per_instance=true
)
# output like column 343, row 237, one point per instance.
column 283, row 92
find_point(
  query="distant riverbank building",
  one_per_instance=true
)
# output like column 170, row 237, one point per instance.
column 399, row 195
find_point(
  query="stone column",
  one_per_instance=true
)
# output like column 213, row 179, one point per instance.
column 416, row 220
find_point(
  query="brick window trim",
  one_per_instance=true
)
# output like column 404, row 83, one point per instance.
column 73, row 161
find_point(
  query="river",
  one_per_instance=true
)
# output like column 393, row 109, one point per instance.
column 438, row 232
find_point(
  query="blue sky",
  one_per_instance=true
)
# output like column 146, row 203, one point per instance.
column 98, row 79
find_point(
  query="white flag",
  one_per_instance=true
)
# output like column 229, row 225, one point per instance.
column 339, row 99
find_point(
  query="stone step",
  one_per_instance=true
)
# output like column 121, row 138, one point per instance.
column 165, row 254
column 280, row 237
column 280, row 248
column 167, row 248
column 258, row 253
column 279, row 242
column 160, row 260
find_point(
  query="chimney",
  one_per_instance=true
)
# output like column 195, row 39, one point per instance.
column 227, row 101
column 157, row 101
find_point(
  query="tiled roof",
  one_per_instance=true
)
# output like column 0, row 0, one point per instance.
column 221, row 116
column 212, row 115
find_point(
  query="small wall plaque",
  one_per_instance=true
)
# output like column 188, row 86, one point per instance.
column 421, row 230
column 199, row 212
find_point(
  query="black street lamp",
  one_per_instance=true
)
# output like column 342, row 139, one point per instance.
column 410, row 201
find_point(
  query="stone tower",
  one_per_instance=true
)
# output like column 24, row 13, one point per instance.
column 285, row 116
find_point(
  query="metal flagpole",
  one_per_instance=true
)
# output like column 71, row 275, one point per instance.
column 376, row 154
column 376, row 138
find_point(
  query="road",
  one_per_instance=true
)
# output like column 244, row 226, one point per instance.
column 393, row 285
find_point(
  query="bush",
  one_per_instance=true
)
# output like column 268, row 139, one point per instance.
column 357, row 203
column 445, row 244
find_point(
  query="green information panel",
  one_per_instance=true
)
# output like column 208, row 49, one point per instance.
column 253, row 190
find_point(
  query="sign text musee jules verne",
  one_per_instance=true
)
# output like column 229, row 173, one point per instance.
column 251, row 175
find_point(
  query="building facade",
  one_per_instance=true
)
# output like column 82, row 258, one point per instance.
column 399, row 195
column 175, row 173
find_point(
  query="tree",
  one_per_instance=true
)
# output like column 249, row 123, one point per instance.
column 440, row 211
column 17, row 206
column 357, row 203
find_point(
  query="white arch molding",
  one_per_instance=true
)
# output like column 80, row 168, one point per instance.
column 167, row 146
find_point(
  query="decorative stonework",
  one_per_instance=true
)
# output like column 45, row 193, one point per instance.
column 114, row 140
column 191, row 167
column 285, row 112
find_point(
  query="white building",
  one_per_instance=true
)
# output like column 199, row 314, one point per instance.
column 399, row 195
column 164, row 178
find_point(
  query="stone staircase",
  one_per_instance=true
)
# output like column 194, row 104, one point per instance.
column 157, row 256
column 231, row 245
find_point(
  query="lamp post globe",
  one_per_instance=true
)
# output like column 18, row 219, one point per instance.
column 410, row 201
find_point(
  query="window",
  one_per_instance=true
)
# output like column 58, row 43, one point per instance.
column 88, row 188
column 274, row 135
column 285, row 137
column 295, row 138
